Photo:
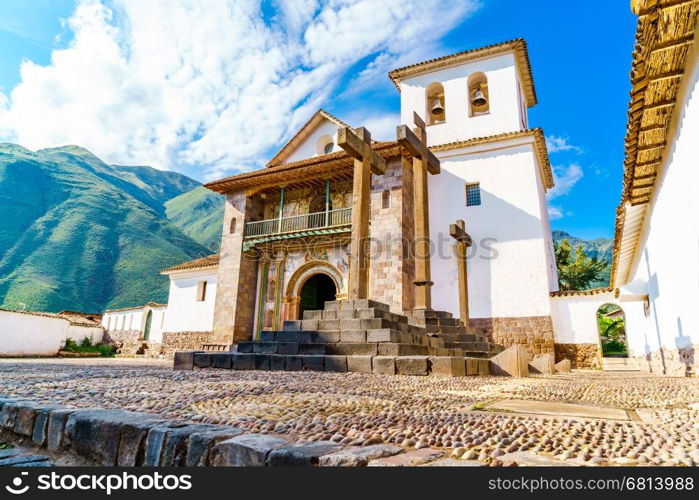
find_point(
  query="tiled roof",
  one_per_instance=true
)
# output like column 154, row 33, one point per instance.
column 518, row 45
column 203, row 263
column 303, row 132
column 580, row 293
column 538, row 134
column 152, row 305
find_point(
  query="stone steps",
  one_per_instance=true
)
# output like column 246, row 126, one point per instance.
column 361, row 335
column 390, row 365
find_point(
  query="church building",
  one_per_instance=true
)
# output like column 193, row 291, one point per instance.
column 288, row 226
column 450, row 219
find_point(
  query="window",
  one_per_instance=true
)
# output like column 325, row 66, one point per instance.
column 232, row 227
column 473, row 194
column 386, row 199
column 325, row 144
column 201, row 291
column 436, row 112
column 478, row 96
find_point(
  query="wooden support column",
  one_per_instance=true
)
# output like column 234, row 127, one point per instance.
column 463, row 241
column 424, row 161
column 366, row 161
column 281, row 209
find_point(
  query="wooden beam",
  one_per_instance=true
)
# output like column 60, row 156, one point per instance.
column 415, row 147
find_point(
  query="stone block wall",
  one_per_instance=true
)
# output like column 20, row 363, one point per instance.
column 391, row 267
column 534, row 332
column 183, row 341
column 234, row 313
column 682, row 362
column 583, row 356
column 127, row 341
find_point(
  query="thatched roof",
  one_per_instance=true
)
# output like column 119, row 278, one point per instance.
column 664, row 37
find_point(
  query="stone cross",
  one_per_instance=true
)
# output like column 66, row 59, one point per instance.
column 424, row 161
column 463, row 241
column 366, row 161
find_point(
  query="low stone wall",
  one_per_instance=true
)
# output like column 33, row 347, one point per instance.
column 683, row 362
column 582, row 356
column 183, row 341
column 128, row 342
column 131, row 439
column 534, row 332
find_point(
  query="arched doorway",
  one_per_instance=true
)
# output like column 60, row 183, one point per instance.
column 149, row 321
column 611, row 324
column 317, row 289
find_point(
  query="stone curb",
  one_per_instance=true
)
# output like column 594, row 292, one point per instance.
column 113, row 437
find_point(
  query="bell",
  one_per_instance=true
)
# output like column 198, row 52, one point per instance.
column 437, row 108
column 479, row 98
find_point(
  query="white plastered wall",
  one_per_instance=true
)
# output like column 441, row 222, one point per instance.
column 509, row 274
column 184, row 312
column 24, row 334
column 504, row 98
column 313, row 144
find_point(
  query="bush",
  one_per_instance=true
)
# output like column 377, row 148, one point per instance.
column 86, row 345
column 613, row 347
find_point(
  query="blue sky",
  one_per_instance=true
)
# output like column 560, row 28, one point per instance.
column 580, row 54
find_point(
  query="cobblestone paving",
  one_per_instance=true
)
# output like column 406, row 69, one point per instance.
column 413, row 412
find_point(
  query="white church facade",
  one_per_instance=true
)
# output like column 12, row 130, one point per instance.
column 288, row 228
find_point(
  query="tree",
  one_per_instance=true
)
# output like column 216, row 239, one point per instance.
column 575, row 269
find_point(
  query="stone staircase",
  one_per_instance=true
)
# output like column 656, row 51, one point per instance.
column 358, row 336
column 620, row 365
column 455, row 335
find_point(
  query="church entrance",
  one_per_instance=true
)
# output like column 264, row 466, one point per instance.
column 317, row 289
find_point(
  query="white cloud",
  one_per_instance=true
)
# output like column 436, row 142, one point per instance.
column 209, row 85
column 554, row 144
column 555, row 212
column 564, row 178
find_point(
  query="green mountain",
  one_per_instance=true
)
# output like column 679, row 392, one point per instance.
column 77, row 233
column 199, row 214
column 599, row 248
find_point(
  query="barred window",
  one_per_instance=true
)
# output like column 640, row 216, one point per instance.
column 473, row 194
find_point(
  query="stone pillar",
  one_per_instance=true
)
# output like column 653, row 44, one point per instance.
column 234, row 312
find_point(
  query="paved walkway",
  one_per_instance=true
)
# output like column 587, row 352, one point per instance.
column 413, row 412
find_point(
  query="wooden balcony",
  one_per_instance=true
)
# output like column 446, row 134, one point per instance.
column 299, row 225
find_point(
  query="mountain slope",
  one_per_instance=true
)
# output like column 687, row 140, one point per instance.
column 199, row 214
column 599, row 248
column 80, row 234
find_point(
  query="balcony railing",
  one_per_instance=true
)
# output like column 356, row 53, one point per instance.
column 299, row 223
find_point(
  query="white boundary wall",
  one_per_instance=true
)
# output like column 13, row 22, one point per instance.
column 27, row 334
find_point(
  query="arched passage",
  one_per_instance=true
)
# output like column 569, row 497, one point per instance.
column 317, row 289
column 611, row 324
column 146, row 329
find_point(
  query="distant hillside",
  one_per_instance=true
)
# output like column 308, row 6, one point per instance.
column 79, row 234
column 599, row 248
column 199, row 214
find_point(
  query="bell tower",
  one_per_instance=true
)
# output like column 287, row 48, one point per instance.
column 476, row 93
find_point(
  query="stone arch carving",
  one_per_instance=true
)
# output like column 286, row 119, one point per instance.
column 293, row 289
